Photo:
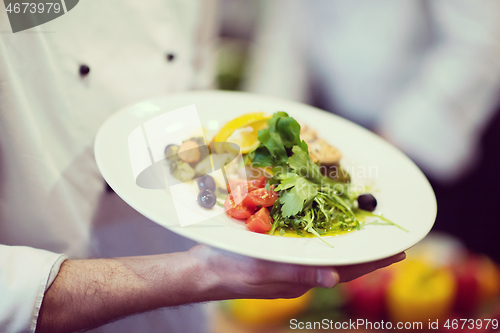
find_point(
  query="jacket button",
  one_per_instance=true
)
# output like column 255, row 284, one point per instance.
column 84, row 70
column 170, row 57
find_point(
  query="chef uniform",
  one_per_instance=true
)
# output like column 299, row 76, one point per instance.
column 58, row 83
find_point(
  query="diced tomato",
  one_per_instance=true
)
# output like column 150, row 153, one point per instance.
column 236, row 184
column 258, row 182
column 260, row 197
column 232, row 183
column 238, row 193
column 251, row 184
column 238, row 211
column 235, row 204
column 260, row 222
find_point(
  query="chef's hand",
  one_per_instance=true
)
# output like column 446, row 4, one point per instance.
column 236, row 276
column 90, row 293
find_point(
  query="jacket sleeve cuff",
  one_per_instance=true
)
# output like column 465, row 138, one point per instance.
column 25, row 276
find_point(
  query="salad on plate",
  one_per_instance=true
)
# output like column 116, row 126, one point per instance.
column 293, row 182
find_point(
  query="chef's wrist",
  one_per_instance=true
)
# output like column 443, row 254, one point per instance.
column 204, row 282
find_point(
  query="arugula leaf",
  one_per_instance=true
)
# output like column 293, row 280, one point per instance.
column 300, row 191
column 276, row 141
column 274, row 144
column 302, row 164
column 271, row 123
column 289, row 130
column 287, row 180
column 364, row 213
column 261, row 157
column 309, row 219
column 303, row 145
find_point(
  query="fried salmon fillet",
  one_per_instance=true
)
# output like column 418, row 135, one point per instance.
column 319, row 150
column 325, row 154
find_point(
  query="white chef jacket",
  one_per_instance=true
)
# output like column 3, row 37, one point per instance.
column 425, row 74
column 52, row 198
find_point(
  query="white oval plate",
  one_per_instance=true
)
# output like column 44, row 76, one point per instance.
column 403, row 193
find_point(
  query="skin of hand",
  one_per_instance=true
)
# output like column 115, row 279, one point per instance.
column 91, row 293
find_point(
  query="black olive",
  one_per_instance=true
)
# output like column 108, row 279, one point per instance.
column 84, row 70
column 367, row 202
column 207, row 199
column 206, row 183
column 171, row 151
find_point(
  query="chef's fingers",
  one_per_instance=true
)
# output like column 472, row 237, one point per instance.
column 348, row 273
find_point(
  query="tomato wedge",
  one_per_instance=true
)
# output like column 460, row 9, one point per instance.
column 258, row 182
column 240, row 190
column 251, row 185
column 260, row 222
column 260, row 197
column 238, row 211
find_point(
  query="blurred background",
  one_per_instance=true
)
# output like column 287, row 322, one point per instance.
column 424, row 75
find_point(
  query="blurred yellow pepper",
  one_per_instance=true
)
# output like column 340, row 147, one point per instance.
column 261, row 312
column 419, row 292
